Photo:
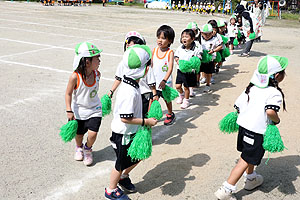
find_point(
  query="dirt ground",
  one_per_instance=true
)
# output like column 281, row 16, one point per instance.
column 190, row 159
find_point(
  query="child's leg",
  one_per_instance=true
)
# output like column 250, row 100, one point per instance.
column 92, row 135
column 78, row 139
column 186, row 92
column 237, row 171
column 208, row 78
column 179, row 88
column 169, row 107
column 129, row 169
column 114, row 178
column 250, row 169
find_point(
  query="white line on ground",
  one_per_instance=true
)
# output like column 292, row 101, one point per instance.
column 46, row 68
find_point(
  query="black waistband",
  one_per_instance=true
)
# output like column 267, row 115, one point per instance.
column 131, row 82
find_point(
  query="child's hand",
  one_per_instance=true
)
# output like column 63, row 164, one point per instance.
column 162, row 84
column 110, row 93
column 211, row 52
column 70, row 116
column 155, row 98
column 150, row 122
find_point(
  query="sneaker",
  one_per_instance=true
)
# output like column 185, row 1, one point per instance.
column 217, row 69
column 198, row 84
column 87, row 157
column 179, row 99
column 222, row 194
column 254, row 183
column 192, row 93
column 203, row 80
column 244, row 55
column 231, row 52
column 78, row 154
column 118, row 194
column 185, row 104
column 127, row 185
column 170, row 119
column 212, row 80
column 207, row 88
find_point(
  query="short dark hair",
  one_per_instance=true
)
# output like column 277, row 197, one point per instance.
column 189, row 32
column 135, row 40
column 214, row 24
column 168, row 32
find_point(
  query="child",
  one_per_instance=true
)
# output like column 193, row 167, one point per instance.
column 257, row 107
column 162, row 65
column 212, row 44
column 232, row 32
column 222, row 31
column 186, row 51
column 127, row 119
column 85, row 106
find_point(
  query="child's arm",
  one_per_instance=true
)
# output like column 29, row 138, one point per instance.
column 68, row 96
column 272, row 115
column 177, row 60
column 114, row 87
column 162, row 84
column 140, row 121
column 216, row 49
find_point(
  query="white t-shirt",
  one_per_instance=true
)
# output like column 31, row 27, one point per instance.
column 128, row 104
column 148, row 80
column 186, row 54
column 212, row 43
column 119, row 73
column 252, row 114
column 232, row 30
column 85, row 101
column 160, row 67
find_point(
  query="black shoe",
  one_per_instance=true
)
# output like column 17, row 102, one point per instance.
column 127, row 185
column 170, row 119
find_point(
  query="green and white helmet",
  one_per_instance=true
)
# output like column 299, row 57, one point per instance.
column 135, row 60
column 84, row 49
column 266, row 67
column 220, row 23
column 192, row 25
column 207, row 28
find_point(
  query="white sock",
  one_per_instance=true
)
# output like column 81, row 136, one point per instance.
column 124, row 176
column 182, row 94
column 251, row 176
column 110, row 191
column 228, row 187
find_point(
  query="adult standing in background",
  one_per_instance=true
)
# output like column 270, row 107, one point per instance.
column 257, row 14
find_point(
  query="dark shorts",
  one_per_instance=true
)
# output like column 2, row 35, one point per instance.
column 231, row 39
column 92, row 124
column 123, row 160
column 207, row 68
column 187, row 79
column 250, row 144
column 146, row 100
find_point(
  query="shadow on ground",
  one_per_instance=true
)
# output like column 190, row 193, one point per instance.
column 279, row 173
column 103, row 155
column 172, row 181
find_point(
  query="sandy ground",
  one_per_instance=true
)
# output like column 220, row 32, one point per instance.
column 190, row 159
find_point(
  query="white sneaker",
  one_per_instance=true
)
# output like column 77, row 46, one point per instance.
column 87, row 157
column 192, row 93
column 78, row 154
column 212, row 80
column 222, row 194
column 206, row 89
column 203, row 80
column 185, row 104
column 254, row 183
column 179, row 99
column 231, row 52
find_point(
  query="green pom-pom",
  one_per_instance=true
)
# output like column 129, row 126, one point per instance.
column 206, row 57
column 185, row 66
column 235, row 42
column 225, row 53
column 195, row 63
column 188, row 66
column 218, row 57
column 225, row 39
column 252, row 36
column 239, row 35
column 68, row 131
column 272, row 140
column 141, row 146
column 106, row 105
column 169, row 94
column 155, row 110
column 228, row 123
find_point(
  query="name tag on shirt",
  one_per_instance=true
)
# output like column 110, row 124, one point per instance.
column 248, row 140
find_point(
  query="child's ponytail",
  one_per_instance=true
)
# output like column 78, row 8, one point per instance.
column 247, row 91
column 274, row 83
column 81, row 69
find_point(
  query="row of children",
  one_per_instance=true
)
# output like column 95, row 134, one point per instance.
column 202, row 7
column 142, row 76
column 67, row 2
